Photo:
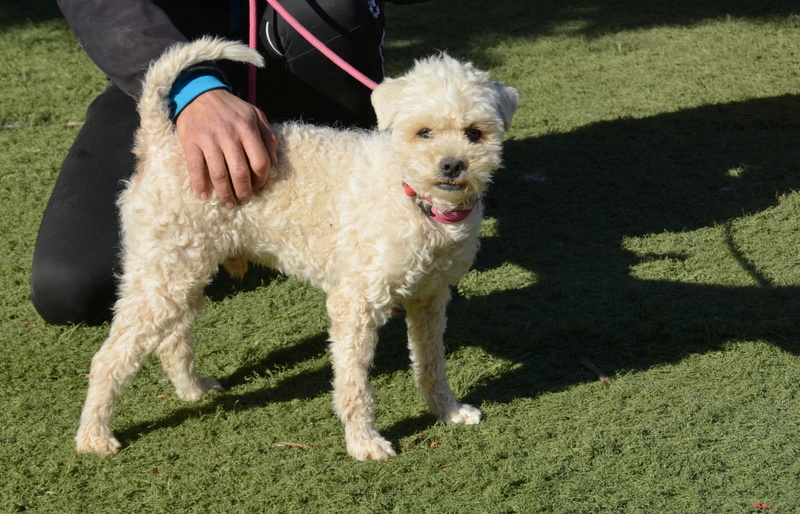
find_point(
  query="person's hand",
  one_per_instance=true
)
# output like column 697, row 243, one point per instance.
column 229, row 146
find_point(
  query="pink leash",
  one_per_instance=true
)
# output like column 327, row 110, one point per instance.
column 316, row 43
column 446, row 217
column 251, row 75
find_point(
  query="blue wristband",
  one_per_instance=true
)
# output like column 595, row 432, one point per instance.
column 192, row 84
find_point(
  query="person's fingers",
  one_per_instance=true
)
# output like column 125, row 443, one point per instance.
column 238, row 170
column 218, row 174
column 257, row 153
column 198, row 175
column 229, row 146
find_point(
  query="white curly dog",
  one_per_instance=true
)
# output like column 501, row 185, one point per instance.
column 373, row 218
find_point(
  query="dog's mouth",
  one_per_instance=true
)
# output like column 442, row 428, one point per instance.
column 450, row 186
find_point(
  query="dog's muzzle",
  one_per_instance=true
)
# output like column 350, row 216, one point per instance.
column 451, row 167
column 450, row 170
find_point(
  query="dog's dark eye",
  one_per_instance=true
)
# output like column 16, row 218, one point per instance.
column 473, row 134
column 424, row 133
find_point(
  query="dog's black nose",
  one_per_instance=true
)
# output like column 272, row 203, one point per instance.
column 451, row 167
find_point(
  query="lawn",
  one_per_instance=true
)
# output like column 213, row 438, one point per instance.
column 647, row 219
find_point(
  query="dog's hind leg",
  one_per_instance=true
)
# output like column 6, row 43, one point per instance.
column 353, row 336
column 112, row 366
column 147, row 315
column 426, row 323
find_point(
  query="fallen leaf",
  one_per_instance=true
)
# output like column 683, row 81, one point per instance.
column 295, row 445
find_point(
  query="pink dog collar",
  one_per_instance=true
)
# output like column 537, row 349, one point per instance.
column 446, row 217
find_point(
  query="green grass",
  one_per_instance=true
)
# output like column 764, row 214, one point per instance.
column 647, row 218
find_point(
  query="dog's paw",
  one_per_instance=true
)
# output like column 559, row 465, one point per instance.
column 197, row 391
column 373, row 449
column 103, row 445
column 463, row 413
column 365, row 443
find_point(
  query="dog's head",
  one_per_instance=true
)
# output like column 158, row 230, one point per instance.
column 447, row 120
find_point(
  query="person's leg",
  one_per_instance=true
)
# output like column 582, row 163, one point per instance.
column 76, row 253
column 308, row 86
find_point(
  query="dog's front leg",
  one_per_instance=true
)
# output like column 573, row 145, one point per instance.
column 353, row 337
column 426, row 320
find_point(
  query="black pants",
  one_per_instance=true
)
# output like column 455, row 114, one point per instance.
column 76, row 256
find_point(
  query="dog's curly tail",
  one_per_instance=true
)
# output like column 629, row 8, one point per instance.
column 154, row 107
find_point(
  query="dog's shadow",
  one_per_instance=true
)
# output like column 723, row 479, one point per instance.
column 301, row 386
column 563, row 207
column 568, row 203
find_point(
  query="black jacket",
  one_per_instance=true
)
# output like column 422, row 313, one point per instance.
column 122, row 37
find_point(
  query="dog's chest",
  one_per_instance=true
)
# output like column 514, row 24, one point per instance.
column 436, row 258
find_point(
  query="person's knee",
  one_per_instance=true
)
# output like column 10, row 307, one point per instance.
column 63, row 297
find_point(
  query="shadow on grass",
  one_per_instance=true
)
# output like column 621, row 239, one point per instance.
column 566, row 203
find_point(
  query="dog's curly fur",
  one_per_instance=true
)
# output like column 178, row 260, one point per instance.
column 333, row 214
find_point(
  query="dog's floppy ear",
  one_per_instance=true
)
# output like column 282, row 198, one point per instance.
column 384, row 101
column 507, row 103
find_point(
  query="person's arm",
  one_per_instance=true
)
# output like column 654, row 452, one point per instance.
column 121, row 38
